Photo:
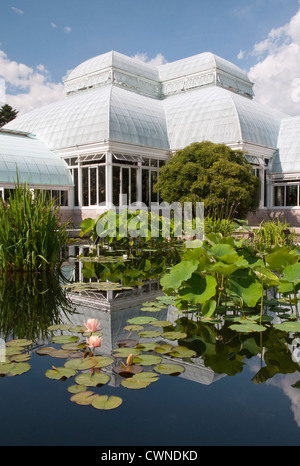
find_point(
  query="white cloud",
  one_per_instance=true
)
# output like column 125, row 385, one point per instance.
column 63, row 28
column 27, row 88
column 17, row 10
column 276, row 75
column 156, row 61
column 241, row 54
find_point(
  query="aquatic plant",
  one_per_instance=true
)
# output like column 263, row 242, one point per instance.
column 31, row 234
column 227, row 275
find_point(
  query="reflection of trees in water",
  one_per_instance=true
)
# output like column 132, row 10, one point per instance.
column 29, row 303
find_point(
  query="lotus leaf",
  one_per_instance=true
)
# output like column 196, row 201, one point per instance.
column 248, row 327
column 198, row 289
column 178, row 274
column 291, row 273
column 288, row 326
column 106, row 403
column 92, row 380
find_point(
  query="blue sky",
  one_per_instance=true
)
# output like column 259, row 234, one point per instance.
column 41, row 40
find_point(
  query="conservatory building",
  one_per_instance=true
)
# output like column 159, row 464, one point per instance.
column 121, row 119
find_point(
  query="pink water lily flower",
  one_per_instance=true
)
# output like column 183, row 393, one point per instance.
column 92, row 325
column 94, row 341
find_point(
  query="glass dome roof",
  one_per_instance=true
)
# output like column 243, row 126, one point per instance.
column 116, row 60
column 287, row 157
column 32, row 161
column 220, row 116
column 101, row 114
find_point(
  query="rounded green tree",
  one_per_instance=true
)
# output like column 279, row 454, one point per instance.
column 210, row 173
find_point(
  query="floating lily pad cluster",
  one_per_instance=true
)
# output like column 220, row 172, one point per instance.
column 139, row 364
column 15, row 357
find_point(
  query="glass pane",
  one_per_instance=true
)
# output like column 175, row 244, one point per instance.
column 292, row 195
column 75, row 178
column 133, row 186
column 145, row 187
column 154, row 197
column 85, row 186
column 93, row 186
column 279, row 196
column 125, row 182
column 56, row 197
column 116, row 185
column 64, row 198
column 101, row 184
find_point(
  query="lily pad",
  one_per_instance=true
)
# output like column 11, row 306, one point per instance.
column 60, row 339
column 19, row 342
column 134, row 384
column 174, row 335
column 141, row 320
column 133, row 328
column 147, row 359
column 165, row 348
column 105, row 402
column 162, row 323
column 92, row 380
column 45, row 351
column 182, row 352
column 80, row 364
column 125, row 352
column 76, row 388
column 59, row 373
column 127, row 371
column 102, row 361
column 83, row 398
column 169, row 369
column 149, row 334
column 146, row 346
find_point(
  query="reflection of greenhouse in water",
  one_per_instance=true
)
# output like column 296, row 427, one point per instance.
column 115, row 307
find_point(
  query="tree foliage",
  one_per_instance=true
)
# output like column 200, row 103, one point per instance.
column 210, row 173
column 7, row 114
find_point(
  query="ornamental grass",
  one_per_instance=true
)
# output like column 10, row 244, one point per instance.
column 31, row 236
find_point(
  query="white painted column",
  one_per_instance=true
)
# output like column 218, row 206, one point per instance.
column 109, row 179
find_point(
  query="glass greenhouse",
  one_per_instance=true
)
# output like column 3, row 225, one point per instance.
column 122, row 118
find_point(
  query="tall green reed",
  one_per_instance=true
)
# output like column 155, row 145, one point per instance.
column 31, row 236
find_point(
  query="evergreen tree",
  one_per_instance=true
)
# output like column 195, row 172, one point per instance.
column 7, row 114
column 210, row 173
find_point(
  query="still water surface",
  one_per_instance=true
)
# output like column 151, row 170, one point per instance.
column 197, row 408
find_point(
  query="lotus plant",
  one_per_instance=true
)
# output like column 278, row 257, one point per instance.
column 93, row 342
column 92, row 325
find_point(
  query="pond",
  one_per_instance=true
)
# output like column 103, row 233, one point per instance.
column 221, row 388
